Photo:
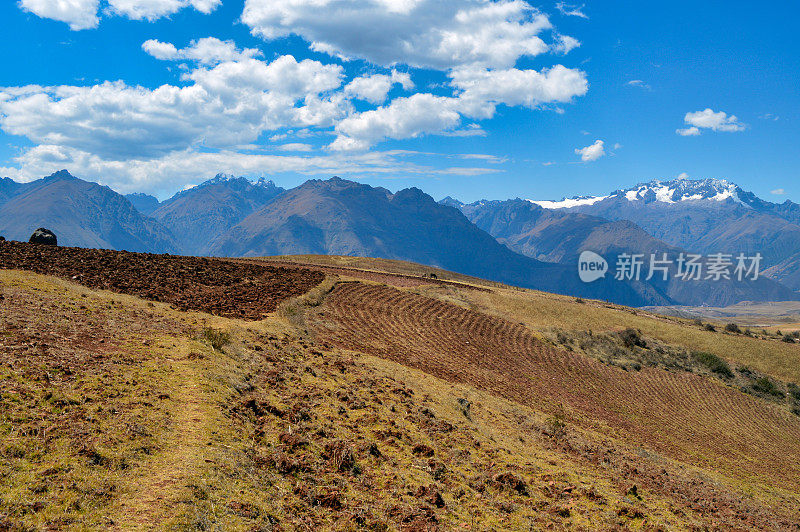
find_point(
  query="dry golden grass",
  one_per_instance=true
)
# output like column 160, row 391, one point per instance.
column 694, row 419
column 542, row 312
column 399, row 267
column 202, row 458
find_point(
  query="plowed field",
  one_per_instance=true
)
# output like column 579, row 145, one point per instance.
column 224, row 288
column 687, row 417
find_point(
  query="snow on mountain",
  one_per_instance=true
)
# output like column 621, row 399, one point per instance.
column 673, row 191
column 569, row 203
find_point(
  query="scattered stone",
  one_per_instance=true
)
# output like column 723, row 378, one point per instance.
column 430, row 495
column 423, row 450
column 464, row 405
column 511, row 481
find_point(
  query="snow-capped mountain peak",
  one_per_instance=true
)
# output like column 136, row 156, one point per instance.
column 672, row 191
column 678, row 190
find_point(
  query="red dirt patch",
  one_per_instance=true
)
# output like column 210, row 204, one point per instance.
column 221, row 287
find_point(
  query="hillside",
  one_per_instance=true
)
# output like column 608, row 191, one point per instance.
column 82, row 214
column 379, row 405
column 339, row 217
column 144, row 203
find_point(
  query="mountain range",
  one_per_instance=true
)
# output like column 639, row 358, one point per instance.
column 533, row 244
column 705, row 216
column 84, row 214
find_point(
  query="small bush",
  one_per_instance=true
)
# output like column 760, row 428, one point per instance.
column 765, row 386
column 217, row 339
column 714, row 363
column 732, row 327
column 579, row 300
column 794, row 390
column 788, row 339
column 555, row 426
column 632, row 338
column 710, row 328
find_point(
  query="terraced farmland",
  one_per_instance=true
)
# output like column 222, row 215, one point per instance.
column 686, row 417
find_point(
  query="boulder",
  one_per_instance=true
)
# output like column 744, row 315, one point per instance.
column 43, row 236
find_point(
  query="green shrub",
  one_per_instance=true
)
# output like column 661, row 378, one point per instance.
column 794, row 390
column 788, row 339
column 631, row 338
column 710, row 328
column 765, row 386
column 217, row 339
column 714, row 363
column 732, row 327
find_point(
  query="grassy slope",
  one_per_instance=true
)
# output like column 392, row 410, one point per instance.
column 276, row 429
column 543, row 312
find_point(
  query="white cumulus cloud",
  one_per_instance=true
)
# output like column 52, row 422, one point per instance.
column 708, row 119
column 438, row 34
column 402, row 118
column 482, row 89
column 478, row 93
column 85, row 14
column 227, row 105
column 155, row 9
column 593, row 152
column 688, row 131
column 207, row 51
column 376, row 87
column 79, row 14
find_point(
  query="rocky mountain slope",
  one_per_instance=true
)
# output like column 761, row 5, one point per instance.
column 144, row 203
column 560, row 235
column 704, row 216
column 200, row 214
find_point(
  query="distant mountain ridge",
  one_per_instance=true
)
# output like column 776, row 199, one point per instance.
column 144, row 203
column 83, row 214
column 705, row 216
column 342, row 217
column 517, row 242
column 560, row 235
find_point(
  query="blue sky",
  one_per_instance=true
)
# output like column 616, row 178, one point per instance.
column 470, row 98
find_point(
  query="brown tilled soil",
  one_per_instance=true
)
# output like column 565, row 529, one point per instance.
column 683, row 416
column 224, row 288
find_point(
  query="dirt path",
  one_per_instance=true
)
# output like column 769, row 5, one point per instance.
column 170, row 474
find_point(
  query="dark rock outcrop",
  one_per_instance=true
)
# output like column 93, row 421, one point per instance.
column 44, row 236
